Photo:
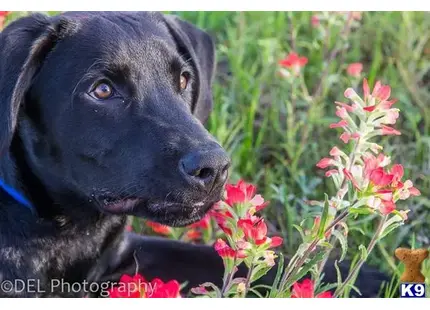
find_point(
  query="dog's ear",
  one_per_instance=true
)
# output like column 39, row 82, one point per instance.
column 199, row 46
column 24, row 44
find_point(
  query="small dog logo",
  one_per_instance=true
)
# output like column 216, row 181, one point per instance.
column 413, row 281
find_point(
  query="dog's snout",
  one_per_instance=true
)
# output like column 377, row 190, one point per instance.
column 205, row 169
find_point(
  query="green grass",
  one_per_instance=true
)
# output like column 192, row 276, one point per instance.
column 276, row 143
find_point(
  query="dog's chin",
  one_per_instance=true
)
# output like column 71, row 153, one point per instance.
column 172, row 214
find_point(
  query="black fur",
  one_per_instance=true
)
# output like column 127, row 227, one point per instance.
column 85, row 164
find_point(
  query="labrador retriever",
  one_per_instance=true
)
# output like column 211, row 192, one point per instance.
column 102, row 116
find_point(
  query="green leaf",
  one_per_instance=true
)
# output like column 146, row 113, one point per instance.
column 259, row 271
column 363, row 211
column 305, row 269
column 326, row 244
column 278, row 276
column 388, row 230
column 338, row 274
column 300, row 230
column 363, row 251
column 324, row 217
column 343, row 243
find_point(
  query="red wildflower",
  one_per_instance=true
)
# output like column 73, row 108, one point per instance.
column 354, row 69
column 193, row 234
column 294, row 62
column 170, row 289
column 380, row 178
column 3, row 15
column 159, row 228
column 276, row 241
column 221, row 216
column 225, row 251
column 204, row 223
column 137, row 287
column 239, row 193
column 306, row 290
column 255, row 230
column 129, row 287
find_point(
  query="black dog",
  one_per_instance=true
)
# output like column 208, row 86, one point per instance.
column 102, row 116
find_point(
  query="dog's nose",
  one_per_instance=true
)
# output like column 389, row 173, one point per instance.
column 205, row 168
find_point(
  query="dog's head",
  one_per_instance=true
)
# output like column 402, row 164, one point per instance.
column 109, row 107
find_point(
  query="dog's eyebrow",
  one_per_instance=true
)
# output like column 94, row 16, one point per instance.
column 101, row 66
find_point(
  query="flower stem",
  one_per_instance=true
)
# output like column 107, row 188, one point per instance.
column 301, row 261
column 248, row 279
column 228, row 279
column 362, row 260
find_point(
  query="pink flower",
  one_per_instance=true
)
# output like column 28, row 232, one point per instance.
column 335, row 151
column 407, row 190
column 342, row 123
column 379, row 97
column 305, row 289
column 355, row 69
column 381, row 92
column 386, row 131
column 200, row 290
column 371, row 163
column 325, row 162
column 347, row 107
column 315, row 21
column 345, row 137
column 380, row 178
column 387, row 207
column 366, row 89
column 329, row 173
column 342, row 112
column 350, row 177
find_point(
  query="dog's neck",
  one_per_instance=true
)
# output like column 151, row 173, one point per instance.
column 73, row 210
column 56, row 232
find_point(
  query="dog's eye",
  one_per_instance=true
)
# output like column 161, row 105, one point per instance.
column 102, row 91
column 183, row 81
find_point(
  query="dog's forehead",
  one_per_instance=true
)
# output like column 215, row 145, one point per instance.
column 132, row 41
column 118, row 32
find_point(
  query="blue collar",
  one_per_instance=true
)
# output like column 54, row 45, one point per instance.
column 16, row 195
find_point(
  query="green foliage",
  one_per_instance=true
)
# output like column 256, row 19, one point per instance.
column 276, row 141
